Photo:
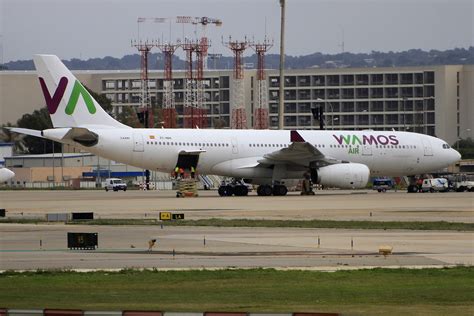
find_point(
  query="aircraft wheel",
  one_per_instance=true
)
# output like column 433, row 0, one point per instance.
column 412, row 189
column 229, row 191
column 279, row 190
column 241, row 190
column 222, row 190
column 264, row 190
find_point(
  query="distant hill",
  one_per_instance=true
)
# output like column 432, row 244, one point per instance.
column 413, row 57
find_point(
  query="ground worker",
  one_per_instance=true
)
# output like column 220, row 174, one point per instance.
column 176, row 172
column 181, row 173
column 193, row 172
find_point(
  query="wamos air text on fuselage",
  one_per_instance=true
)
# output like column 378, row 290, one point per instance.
column 343, row 159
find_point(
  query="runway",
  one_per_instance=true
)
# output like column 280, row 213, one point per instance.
column 26, row 246
column 325, row 205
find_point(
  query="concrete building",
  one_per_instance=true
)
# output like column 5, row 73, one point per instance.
column 435, row 100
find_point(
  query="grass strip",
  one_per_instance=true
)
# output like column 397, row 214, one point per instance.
column 219, row 222
column 360, row 292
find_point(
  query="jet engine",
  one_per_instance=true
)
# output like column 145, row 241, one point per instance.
column 344, row 175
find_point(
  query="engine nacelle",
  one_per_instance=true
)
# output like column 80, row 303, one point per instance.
column 344, row 175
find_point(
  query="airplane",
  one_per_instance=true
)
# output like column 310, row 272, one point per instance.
column 333, row 158
column 6, row 174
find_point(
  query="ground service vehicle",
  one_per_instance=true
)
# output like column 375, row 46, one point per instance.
column 463, row 183
column 435, row 185
column 115, row 184
column 382, row 185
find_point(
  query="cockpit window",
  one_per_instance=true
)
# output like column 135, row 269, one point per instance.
column 446, row 146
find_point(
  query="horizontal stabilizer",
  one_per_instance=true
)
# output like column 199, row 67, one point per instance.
column 26, row 131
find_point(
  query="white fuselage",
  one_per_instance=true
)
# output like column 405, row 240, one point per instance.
column 236, row 152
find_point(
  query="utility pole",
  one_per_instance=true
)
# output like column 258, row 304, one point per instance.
column 281, row 105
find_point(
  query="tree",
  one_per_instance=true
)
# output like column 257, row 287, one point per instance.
column 466, row 148
column 8, row 136
column 38, row 120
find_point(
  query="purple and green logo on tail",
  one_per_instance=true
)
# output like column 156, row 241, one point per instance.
column 53, row 102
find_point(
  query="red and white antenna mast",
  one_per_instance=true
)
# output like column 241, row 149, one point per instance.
column 144, row 48
column 194, row 111
column 239, row 115
column 261, row 105
column 169, row 108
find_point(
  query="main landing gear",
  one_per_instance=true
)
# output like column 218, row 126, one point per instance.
column 237, row 188
column 276, row 190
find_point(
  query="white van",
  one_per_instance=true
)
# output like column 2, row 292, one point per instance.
column 435, row 185
column 115, row 184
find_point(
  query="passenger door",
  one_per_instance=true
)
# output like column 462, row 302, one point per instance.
column 428, row 151
column 138, row 143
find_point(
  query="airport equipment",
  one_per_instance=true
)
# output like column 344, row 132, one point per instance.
column 194, row 112
column 187, row 188
column 2, row 212
column 169, row 108
column 176, row 216
column 434, row 185
column 382, row 184
column 236, row 187
column 239, row 116
column 57, row 217
column 385, row 250
column 82, row 216
column 261, row 106
column 165, row 216
column 82, row 241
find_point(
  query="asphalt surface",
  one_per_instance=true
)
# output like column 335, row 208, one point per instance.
column 25, row 246
column 334, row 205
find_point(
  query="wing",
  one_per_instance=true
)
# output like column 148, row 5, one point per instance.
column 300, row 153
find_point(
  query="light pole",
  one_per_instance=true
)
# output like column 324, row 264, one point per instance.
column 404, row 114
column 281, row 104
column 332, row 111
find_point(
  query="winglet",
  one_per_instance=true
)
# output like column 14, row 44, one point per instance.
column 295, row 137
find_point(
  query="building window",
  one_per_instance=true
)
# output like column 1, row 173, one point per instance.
column 429, row 77
column 109, row 85
column 391, row 79
column 319, row 81
column 333, row 80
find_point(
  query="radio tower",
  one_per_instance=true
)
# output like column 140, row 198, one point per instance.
column 194, row 111
column 144, row 48
column 169, row 109
column 261, row 107
column 239, row 116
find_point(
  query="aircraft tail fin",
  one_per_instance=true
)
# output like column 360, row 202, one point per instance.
column 69, row 103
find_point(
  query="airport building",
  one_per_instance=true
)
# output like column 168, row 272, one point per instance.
column 434, row 100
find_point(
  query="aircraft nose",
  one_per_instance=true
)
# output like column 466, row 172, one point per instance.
column 456, row 155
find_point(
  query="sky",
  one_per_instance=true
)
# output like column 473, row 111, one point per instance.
column 97, row 28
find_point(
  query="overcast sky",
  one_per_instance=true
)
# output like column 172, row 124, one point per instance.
column 94, row 28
